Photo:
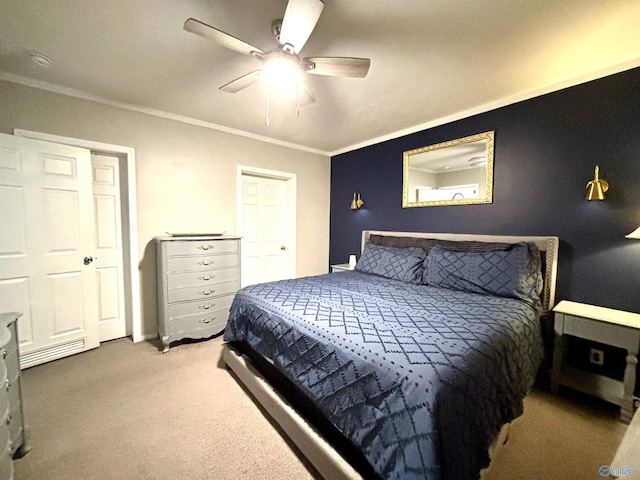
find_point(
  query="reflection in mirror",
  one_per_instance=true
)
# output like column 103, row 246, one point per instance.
column 457, row 172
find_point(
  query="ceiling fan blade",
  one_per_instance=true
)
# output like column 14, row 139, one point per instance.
column 339, row 66
column 305, row 96
column 224, row 39
column 242, row 82
column 299, row 20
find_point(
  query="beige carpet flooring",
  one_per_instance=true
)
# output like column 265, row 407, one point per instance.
column 126, row 411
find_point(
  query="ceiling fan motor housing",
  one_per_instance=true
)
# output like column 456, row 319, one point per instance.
column 276, row 28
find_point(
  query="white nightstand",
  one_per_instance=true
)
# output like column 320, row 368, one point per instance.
column 341, row 267
column 603, row 325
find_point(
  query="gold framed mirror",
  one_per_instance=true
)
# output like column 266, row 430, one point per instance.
column 457, row 172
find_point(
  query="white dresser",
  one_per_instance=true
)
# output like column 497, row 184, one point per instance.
column 198, row 277
column 13, row 435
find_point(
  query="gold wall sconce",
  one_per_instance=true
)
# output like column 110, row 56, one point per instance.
column 357, row 202
column 634, row 235
column 597, row 187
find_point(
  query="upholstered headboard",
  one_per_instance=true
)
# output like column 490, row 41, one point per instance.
column 548, row 247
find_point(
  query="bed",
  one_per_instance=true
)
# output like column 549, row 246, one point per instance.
column 409, row 366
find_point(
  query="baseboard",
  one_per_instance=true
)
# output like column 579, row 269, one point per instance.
column 31, row 359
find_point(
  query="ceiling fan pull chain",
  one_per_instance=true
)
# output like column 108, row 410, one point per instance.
column 297, row 99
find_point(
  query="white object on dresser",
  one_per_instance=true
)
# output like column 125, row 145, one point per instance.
column 198, row 276
column 603, row 325
column 341, row 267
column 13, row 434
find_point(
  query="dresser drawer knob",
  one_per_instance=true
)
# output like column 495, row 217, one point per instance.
column 206, row 292
column 206, row 278
column 208, row 319
column 206, row 247
column 206, row 262
column 207, row 306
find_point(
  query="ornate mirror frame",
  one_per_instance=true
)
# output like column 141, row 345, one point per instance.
column 468, row 162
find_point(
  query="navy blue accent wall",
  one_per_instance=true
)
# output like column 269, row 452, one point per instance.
column 546, row 149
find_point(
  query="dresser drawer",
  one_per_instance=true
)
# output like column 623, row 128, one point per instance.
column 11, row 345
column 194, row 308
column 204, row 262
column 13, row 394
column 202, row 291
column 210, row 320
column 13, row 365
column 209, row 277
column 5, row 407
column 5, row 439
column 199, row 247
column 6, row 467
column 15, row 428
column 4, row 378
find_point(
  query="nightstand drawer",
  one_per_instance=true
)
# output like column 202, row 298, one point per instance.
column 204, row 262
column 201, row 247
column 599, row 331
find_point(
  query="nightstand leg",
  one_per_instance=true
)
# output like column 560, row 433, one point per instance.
column 626, row 409
column 558, row 360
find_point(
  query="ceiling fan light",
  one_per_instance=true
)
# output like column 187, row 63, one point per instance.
column 281, row 73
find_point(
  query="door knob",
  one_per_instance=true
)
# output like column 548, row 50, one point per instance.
column 88, row 260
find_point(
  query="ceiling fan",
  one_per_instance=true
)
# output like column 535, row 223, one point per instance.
column 282, row 65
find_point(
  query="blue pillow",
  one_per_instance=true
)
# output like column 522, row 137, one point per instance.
column 514, row 272
column 404, row 264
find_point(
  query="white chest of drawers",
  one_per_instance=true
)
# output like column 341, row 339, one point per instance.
column 13, row 435
column 198, row 277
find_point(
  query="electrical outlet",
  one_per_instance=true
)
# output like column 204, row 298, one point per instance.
column 596, row 356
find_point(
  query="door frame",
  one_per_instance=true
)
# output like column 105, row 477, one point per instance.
column 290, row 180
column 129, row 219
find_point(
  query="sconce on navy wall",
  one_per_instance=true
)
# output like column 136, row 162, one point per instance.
column 597, row 187
column 357, row 202
column 635, row 235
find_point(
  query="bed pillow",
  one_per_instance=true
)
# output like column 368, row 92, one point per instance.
column 404, row 264
column 428, row 243
column 513, row 272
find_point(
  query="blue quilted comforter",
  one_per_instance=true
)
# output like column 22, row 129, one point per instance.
column 419, row 378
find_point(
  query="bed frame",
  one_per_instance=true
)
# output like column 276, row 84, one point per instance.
column 321, row 454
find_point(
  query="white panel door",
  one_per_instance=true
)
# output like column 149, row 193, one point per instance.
column 46, row 238
column 108, row 260
column 264, row 217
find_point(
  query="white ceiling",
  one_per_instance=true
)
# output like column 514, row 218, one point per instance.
column 432, row 61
